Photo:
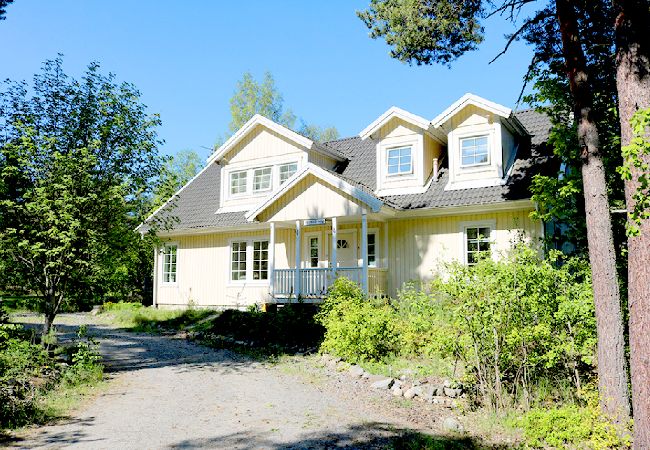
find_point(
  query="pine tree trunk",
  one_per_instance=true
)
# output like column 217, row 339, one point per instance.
column 612, row 373
column 633, row 84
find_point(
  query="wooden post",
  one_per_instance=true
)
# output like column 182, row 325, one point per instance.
column 296, row 282
column 364, row 252
column 333, row 263
column 272, row 261
column 156, row 280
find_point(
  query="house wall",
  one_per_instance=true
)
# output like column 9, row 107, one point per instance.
column 418, row 246
column 411, row 249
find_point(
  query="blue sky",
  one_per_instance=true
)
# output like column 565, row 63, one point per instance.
column 186, row 57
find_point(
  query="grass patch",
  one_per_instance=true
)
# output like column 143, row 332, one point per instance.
column 414, row 367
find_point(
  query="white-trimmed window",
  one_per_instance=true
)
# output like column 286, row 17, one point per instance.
column 238, row 182
column 238, row 257
column 287, row 171
column 314, row 249
column 169, row 256
column 249, row 260
column 260, row 260
column 399, row 161
column 372, row 250
column 474, row 151
column 262, row 179
column 477, row 243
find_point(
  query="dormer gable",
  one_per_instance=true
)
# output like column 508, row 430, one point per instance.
column 482, row 141
column 407, row 150
column 260, row 157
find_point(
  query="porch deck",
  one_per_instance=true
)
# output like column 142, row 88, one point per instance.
column 314, row 282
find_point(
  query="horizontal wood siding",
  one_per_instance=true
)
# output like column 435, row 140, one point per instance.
column 263, row 146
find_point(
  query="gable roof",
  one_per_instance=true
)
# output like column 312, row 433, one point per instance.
column 329, row 177
column 194, row 206
column 482, row 103
column 291, row 135
column 391, row 113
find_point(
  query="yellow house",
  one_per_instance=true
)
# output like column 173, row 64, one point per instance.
column 275, row 216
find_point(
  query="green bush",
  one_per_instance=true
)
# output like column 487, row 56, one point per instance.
column 517, row 321
column 571, row 426
column 357, row 328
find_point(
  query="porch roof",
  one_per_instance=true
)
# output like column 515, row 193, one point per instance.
column 327, row 195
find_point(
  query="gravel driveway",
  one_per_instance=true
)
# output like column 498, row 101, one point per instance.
column 170, row 393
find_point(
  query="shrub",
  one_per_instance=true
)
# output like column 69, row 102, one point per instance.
column 571, row 426
column 519, row 320
column 356, row 328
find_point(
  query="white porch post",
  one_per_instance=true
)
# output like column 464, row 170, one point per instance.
column 272, row 260
column 156, row 256
column 333, row 263
column 296, row 282
column 364, row 252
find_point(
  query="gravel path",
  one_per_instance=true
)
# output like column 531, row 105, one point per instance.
column 170, row 393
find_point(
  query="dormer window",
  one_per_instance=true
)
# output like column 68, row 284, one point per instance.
column 238, row 182
column 262, row 179
column 474, row 151
column 400, row 161
column 287, row 171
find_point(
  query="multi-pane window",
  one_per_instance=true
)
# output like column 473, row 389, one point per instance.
column 260, row 260
column 399, row 161
column 286, row 171
column 238, row 261
column 238, row 182
column 372, row 250
column 313, row 252
column 341, row 243
column 169, row 263
column 474, row 150
column 262, row 179
column 478, row 244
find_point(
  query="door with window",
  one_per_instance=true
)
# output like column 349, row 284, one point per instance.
column 346, row 248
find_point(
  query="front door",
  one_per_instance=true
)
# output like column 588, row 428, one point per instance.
column 346, row 249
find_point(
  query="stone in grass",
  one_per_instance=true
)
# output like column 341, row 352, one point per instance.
column 397, row 391
column 383, row 384
column 415, row 391
column 453, row 425
column 356, row 371
column 453, row 393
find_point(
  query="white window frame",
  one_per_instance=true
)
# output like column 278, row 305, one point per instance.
column 464, row 226
column 487, row 137
column 232, row 194
column 268, row 274
column 307, row 249
column 248, row 280
column 399, row 173
column 258, row 191
column 280, row 166
column 163, row 254
column 375, row 233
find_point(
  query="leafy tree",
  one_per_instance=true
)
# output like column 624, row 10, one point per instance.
column 252, row 97
column 176, row 171
column 76, row 161
column 3, row 8
column 430, row 31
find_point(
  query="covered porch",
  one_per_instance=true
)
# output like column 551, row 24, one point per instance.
column 334, row 230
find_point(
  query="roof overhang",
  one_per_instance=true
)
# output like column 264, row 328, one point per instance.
column 256, row 120
column 395, row 112
column 373, row 203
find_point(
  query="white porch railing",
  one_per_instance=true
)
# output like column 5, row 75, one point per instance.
column 314, row 282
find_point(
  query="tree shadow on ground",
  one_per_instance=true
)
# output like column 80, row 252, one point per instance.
column 365, row 436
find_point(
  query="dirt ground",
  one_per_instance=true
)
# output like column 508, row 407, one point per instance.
column 166, row 392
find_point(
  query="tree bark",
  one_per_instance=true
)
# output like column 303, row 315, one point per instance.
column 633, row 85
column 612, row 373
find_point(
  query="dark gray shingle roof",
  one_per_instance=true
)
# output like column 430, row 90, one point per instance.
column 195, row 206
